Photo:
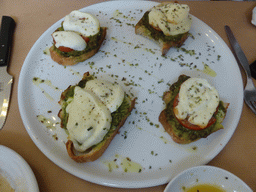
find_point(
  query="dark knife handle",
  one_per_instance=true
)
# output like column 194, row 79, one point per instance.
column 253, row 69
column 6, row 33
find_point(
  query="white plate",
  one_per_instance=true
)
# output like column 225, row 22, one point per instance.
column 207, row 175
column 138, row 62
column 17, row 171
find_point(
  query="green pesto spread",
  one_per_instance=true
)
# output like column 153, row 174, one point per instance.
column 117, row 116
column 92, row 44
column 155, row 34
column 183, row 132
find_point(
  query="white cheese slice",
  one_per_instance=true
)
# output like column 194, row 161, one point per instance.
column 89, row 119
column 198, row 100
column 171, row 19
column 69, row 39
column 84, row 23
column 111, row 94
column 175, row 12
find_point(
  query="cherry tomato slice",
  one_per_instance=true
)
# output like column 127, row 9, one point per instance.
column 86, row 39
column 65, row 49
column 186, row 123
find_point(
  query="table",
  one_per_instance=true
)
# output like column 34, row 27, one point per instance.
column 34, row 17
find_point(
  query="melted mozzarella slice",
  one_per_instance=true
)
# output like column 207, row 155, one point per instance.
column 171, row 19
column 69, row 39
column 175, row 12
column 89, row 119
column 83, row 23
column 198, row 100
column 112, row 95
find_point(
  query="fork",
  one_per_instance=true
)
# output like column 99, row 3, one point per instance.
column 249, row 90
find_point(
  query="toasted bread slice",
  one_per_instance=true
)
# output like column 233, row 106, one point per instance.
column 180, row 134
column 118, row 119
column 97, row 151
column 144, row 29
column 72, row 60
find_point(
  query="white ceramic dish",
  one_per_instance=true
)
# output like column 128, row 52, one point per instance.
column 135, row 61
column 254, row 16
column 206, row 175
column 17, row 171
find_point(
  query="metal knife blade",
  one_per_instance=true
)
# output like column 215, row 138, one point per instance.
column 238, row 52
column 6, row 33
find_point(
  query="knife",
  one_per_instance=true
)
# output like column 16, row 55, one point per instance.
column 253, row 69
column 6, row 33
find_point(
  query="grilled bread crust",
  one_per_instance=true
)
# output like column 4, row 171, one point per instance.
column 94, row 153
column 72, row 60
column 141, row 29
column 169, row 128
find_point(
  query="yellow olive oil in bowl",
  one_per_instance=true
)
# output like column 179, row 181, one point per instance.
column 205, row 188
column 206, row 178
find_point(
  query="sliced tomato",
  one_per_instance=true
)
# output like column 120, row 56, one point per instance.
column 62, row 48
column 156, row 28
column 86, row 39
column 65, row 49
column 186, row 123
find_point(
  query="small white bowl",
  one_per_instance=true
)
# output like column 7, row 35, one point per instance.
column 206, row 175
column 254, row 16
column 17, row 171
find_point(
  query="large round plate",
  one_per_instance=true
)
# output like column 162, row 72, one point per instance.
column 17, row 171
column 137, row 64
